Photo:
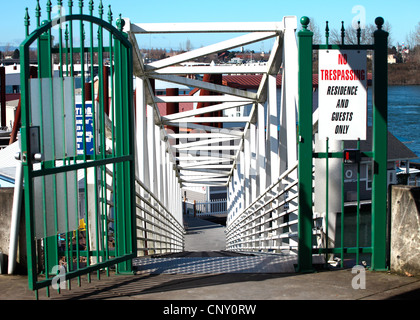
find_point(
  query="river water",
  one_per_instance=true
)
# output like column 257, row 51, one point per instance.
column 403, row 115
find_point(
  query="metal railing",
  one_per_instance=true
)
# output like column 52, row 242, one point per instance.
column 158, row 231
column 206, row 208
column 270, row 222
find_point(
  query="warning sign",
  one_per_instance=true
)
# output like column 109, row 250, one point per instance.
column 342, row 95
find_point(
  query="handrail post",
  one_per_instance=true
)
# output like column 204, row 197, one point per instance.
column 380, row 141
column 305, row 147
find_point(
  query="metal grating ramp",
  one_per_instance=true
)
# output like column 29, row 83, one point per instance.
column 259, row 263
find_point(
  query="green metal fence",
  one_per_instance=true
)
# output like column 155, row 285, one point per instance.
column 77, row 146
column 376, row 245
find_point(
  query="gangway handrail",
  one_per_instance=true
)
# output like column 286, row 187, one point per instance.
column 280, row 178
column 158, row 201
column 169, row 231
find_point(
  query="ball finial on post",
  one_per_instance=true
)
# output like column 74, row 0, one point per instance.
column 120, row 23
column 304, row 21
column 379, row 21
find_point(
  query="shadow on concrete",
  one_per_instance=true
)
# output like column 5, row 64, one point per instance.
column 169, row 287
column 409, row 295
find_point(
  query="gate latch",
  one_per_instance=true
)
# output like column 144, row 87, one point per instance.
column 35, row 143
column 351, row 156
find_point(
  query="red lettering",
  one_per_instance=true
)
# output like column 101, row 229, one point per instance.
column 342, row 58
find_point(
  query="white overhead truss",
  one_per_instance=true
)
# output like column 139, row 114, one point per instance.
column 198, row 147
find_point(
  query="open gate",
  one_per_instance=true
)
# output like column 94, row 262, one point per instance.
column 77, row 147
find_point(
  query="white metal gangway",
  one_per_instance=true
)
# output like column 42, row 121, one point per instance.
column 246, row 152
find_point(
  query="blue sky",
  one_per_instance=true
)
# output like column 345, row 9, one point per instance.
column 403, row 15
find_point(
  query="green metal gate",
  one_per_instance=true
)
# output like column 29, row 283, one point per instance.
column 77, row 147
column 377, row 248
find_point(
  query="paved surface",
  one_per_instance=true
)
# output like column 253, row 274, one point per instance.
column 204, row 235
column 328, row 285
column 213, row 285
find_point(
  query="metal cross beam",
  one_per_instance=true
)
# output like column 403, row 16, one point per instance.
column 215, row 143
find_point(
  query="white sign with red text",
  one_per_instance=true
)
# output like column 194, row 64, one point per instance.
column 342, row 95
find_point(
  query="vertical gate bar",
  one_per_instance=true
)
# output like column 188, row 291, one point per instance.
column 119, row 229
column 380, row 133
column 95, row 140
column 327, row 197
column 38, row 23
column 82, row 73
column 358, row 208
column 111, row 74
column 130, row 174
column 61, row 71
column 327, row 33
column 68, row 160
column 29, row 226
column 342, row 211
column 305, row 148
column 60, row 38
column 66, row 39
column 129, row 149
column 71, row 42
column 131, row 213
column 120, row 140
column 54, row 239
column 41, row 50
column 27, row 169
column 103, row 220
column 359, row 30
column 76, row 185
column 113, row 140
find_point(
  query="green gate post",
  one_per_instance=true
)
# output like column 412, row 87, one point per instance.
column 380, row 142
column 305, row 148
column 26, row 150
column 124, row 171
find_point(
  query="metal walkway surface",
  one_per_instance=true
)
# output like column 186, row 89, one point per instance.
column 216, row 263
column 205, row 242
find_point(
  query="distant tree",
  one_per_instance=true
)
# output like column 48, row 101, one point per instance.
column 188, row 45
column 413, row 43
column 413, row 37
column 231, row 55
column 16, row 54
column 313, row 26
column 7, row 51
